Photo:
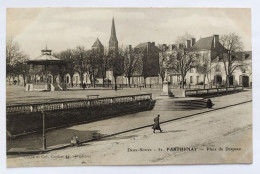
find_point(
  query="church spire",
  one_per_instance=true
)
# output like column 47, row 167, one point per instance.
column 113, row 43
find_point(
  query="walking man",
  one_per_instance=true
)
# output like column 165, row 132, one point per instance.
column 156, row 125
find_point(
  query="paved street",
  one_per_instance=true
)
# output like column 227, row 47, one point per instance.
column 202, row 136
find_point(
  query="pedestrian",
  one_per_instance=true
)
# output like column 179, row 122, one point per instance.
column 209, row 104
column 156, row 125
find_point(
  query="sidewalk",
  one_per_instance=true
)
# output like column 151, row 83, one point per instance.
column 59, row 138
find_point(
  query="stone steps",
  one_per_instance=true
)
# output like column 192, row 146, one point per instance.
column 172, row 104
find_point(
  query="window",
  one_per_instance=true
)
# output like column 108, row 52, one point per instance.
column 191, row 79
column 217, row 68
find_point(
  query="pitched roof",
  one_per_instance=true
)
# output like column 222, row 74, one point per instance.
column 46, row 56
column 142, row 45
column 203, row 43
column 97, row 43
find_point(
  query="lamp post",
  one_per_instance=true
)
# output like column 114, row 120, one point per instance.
column 43, row 131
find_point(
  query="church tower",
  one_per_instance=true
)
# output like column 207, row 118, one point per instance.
column 98, row 47
column 113, row 43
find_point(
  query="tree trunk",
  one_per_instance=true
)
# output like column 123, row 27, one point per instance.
column 115, row 77
column 71, row 80
column 24, row 84
column 145, row 82
column 94, row 83
column 162, row 80
column 18, row 80
column 103, row 84
column 210, row 86
column 81, row 80
column 129, row 83
column 182, row 82
column 227, row 80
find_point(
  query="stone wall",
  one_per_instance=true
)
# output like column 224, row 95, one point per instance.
column 22, row 123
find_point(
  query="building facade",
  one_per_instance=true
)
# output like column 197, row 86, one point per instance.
column 211, row 70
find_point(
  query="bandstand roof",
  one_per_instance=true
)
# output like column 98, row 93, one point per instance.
column 46, row 57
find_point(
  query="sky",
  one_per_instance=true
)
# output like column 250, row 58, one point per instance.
column 63, row 28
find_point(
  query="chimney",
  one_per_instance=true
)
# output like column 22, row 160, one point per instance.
column 215, row 40
column 193, row 41
column 129, row 48
column 164, row 47
column 188, row 44
column 181, row 46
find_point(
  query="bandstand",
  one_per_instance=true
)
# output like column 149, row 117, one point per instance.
column 46, row 73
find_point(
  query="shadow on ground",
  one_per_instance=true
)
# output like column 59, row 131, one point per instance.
column 53, row 138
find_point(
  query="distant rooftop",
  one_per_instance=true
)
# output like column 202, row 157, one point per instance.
column 97, row 43
column 204, row 43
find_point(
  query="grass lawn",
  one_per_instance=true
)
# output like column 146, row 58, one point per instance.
column 17, row 95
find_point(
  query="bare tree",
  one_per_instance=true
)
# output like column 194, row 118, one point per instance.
column 232, row 44
column 165, row 60
column 15, row 60
column 203, row 67
column 21, row 67
column 116, row 63
column 81, row 64
column 69, row 57
column 94, row 65
column 183, row 61
column 104, row 67
column 132, row 64
column 183, row 39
